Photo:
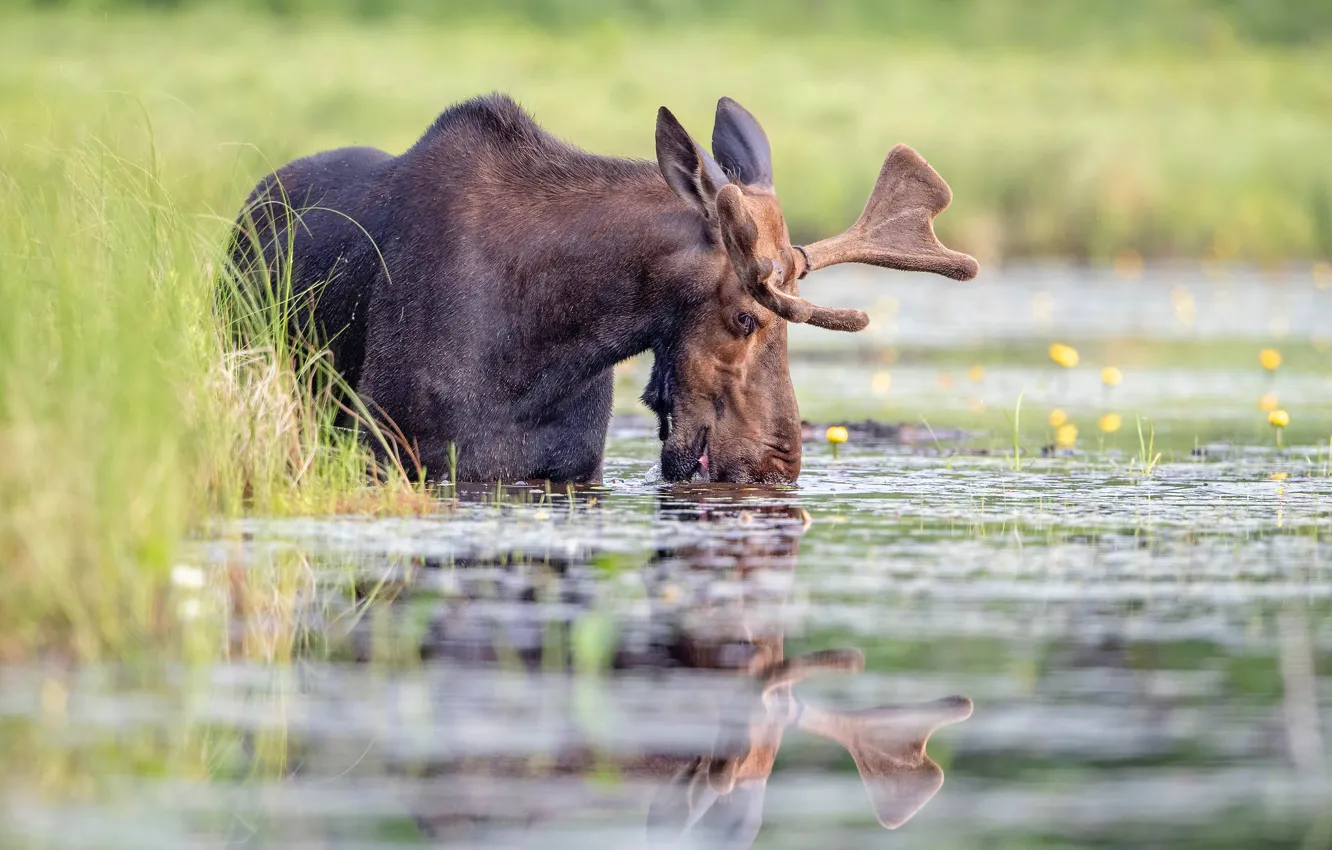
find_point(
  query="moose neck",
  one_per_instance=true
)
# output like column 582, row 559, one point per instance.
column 613, row 271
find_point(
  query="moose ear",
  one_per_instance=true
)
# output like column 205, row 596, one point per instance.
column 740, row 236
column 689, row 171
column 740, row 144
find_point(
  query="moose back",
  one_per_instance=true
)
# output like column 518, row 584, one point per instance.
column 477, row 291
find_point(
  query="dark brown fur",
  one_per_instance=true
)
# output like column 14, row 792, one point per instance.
column 478, row 290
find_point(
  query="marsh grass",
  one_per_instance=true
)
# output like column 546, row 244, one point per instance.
column 1148, row 458
column 130, row 416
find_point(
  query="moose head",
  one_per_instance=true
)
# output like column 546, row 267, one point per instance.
column 722, row 391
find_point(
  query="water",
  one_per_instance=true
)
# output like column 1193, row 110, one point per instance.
column 920, row 647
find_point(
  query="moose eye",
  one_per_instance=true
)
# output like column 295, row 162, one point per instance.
column 747, row 323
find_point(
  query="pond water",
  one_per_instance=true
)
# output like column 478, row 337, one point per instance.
column 929, row 643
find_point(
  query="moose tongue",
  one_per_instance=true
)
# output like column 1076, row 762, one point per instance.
column 703, row 466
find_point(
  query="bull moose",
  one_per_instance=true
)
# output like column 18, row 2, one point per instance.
column 478, row 289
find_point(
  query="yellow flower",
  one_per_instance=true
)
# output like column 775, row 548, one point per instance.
column 1268, row 402
column 837, row 435
column 1057, row 417
column 1110, row 423
column 1064, row 355
column 976, row 373
column 1111, row 377
column 881, row 383
column 1278, row 419
column 1066, row 436
column 1270, row 358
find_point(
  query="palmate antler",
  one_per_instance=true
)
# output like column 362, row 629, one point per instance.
column 896, row 230
column 888, row 746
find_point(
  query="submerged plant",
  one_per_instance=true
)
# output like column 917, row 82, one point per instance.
column 1148, row 458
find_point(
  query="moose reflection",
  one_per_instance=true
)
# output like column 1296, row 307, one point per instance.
column 711, row 646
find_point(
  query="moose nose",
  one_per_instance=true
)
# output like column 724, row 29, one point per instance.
column 780, row 465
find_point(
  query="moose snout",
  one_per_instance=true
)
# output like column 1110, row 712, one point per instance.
column 685, row 455
column 710, row 456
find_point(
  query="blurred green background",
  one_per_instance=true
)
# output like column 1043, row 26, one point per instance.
column 1086, row 131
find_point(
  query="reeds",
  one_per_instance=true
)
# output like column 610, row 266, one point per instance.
column 130, row 416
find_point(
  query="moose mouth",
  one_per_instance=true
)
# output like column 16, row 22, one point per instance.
column 691, row 464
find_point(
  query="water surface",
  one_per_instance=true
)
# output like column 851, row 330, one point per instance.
column 929, row 643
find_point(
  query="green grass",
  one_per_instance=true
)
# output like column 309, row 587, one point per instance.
column 1094, row 24
column 128, row 417
column 1074, row 153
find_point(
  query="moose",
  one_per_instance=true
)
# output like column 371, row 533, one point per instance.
column 477, row 291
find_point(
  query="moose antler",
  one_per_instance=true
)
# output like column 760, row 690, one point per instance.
column 888, row 745
column 763, row 277
column 896, row 230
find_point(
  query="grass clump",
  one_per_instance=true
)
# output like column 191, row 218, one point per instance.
column 128, row 414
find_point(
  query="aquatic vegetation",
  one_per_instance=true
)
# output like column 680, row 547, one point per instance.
column 1057, row 417
column 1066, row 435
column 836, row 436
column 1110, row 423
column 1064, row 355
column 1148, row 458
column 1279, row 420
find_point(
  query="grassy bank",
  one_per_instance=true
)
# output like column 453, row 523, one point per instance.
column 128, row 417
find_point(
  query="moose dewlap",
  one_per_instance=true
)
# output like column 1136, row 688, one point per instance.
column 476, row 291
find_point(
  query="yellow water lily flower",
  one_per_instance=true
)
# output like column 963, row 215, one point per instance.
column 1057, row 417
column 1270, row 358
column 976, row 373
column 1066, row 436
column 836, row 435
column 1064, row 355
column 1111, row 377
column 1278, row 419
column 1268, row 402
column 1110, row 423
